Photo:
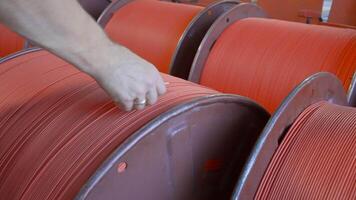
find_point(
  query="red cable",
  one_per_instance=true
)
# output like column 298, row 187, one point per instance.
column 10, row 42
column 57, row 125
column 317, row 158
column 265, row 59
column 151, row 29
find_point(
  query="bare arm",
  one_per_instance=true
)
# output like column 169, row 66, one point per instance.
column 64, row 28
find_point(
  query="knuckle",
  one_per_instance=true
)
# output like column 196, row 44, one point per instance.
column 138, row 91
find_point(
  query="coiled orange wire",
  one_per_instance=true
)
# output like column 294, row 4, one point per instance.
column 10, row 42
column 151, row 29
column 317, row 158
column 264, row 59
column 57, row 125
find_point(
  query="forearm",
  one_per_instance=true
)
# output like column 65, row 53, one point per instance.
column 62, row 27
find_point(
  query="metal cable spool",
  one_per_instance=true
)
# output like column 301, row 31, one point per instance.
column 316, row 160
column 264, row 59
column 307, row 149
column 164, row 33
column 61, row 137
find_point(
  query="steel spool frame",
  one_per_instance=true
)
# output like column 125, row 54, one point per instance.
column 322, row 86
column 164, row 159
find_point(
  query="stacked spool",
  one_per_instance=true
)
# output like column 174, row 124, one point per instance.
column 151, row 29
column 316, row 159
column 164, row 33
column 264, row 59
column 57, row 126
column 307, row 149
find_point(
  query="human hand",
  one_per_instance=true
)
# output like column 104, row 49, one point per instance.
column 131, row 81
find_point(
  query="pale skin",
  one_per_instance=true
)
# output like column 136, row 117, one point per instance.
column 64, row 28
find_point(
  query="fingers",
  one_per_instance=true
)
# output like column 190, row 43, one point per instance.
column 138, row 98
column 161, row 87
column 140, row 103
column 125, row 105
column 132, row 85
column 151, row 96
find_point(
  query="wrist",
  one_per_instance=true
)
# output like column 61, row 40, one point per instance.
column 95, row 57
column 107, row 58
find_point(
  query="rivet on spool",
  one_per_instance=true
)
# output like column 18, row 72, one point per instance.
column 121, row 167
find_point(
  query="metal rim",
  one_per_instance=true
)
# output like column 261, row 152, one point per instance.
column 154, row 124
column 192, row 33
column 94, row 7
column 351, row 95
column 19, row 53
column 322, row 86
column 109, row 11
column 241, row 11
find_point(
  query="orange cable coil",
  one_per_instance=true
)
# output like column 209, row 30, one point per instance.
column 151, row 29
column 264, row 59
column 317, row 158
column 57, row 125
column 10, row 42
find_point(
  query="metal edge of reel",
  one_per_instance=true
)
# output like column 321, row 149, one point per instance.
column 351, row 95
column 241, row 11
column 193, row 35
column 19, row 53
column 152, row 129
column 321, row 86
